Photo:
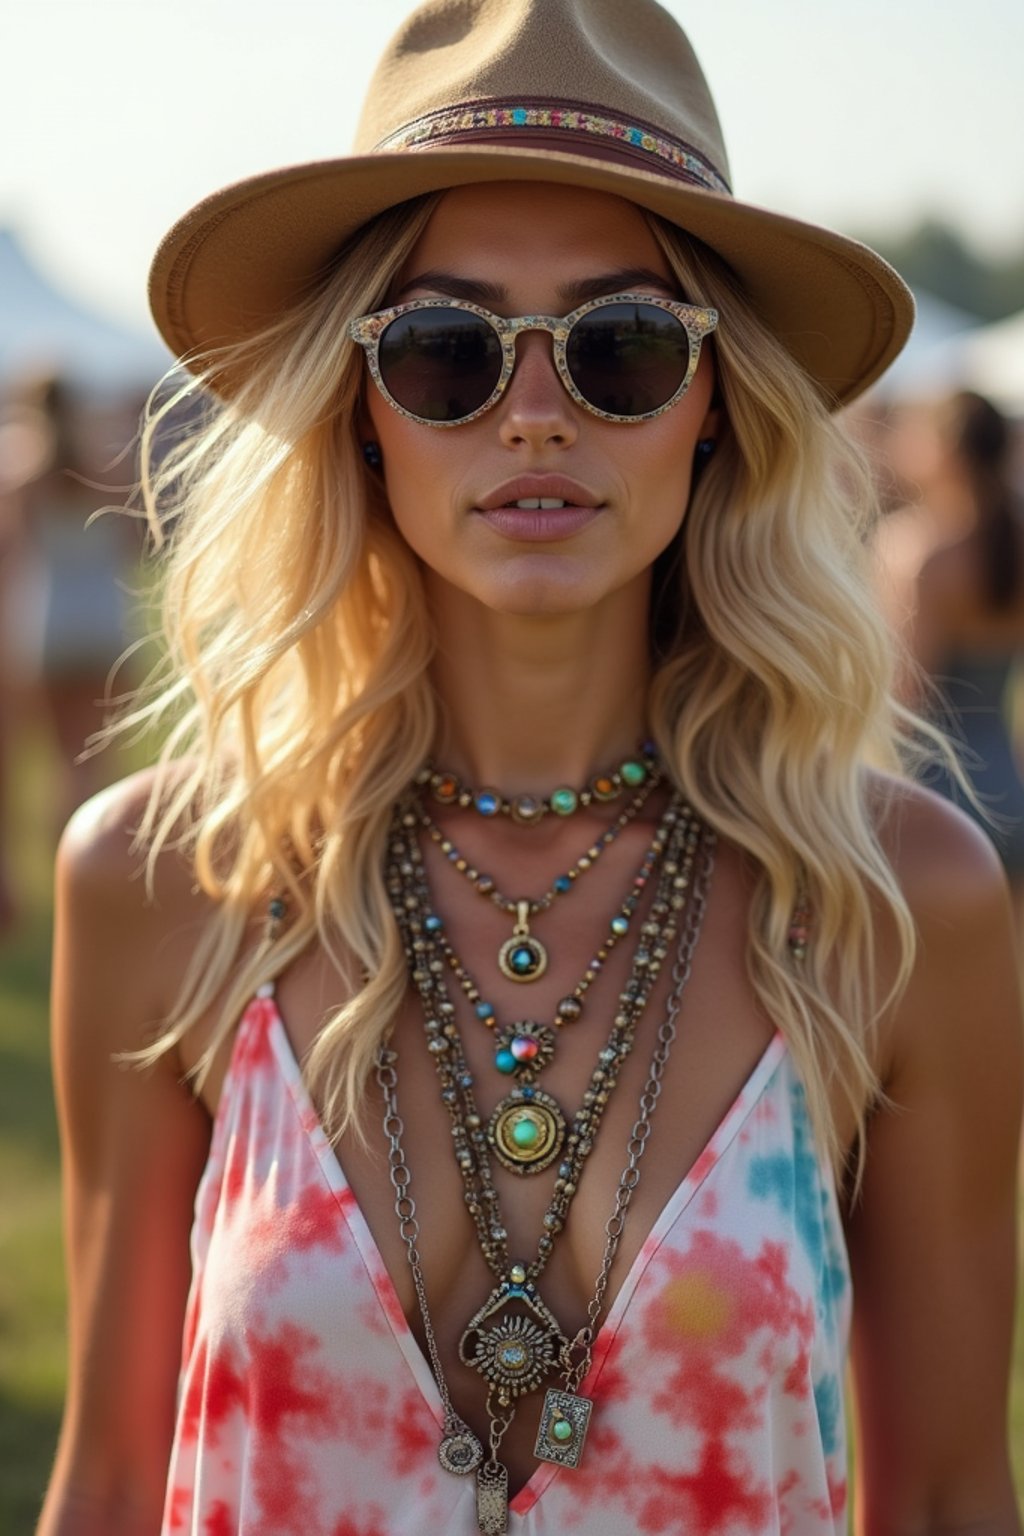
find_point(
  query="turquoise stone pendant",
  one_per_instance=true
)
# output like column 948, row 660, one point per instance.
column 522, row 957
column 526, row 1130
column 564, row 1421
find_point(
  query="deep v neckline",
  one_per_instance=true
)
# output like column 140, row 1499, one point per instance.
column 678, row 1201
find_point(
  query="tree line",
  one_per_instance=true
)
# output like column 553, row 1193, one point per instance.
column 936, row 257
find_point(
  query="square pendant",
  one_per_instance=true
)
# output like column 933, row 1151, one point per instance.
column 564, row 1421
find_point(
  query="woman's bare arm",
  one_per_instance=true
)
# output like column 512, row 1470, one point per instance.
column 933, row 1239
column 133, row 1146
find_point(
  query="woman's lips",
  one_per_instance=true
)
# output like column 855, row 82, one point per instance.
column 541, row 524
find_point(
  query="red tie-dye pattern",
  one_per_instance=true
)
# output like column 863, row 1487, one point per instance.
column 309, row 1221
column 703, row 1166
column 717, row 1497
column 307, row 1409
column 348, row 1526
column 179, row 1502
column 216, row 1388
column 287, row 1384
column 220, row 1521
column 711, row 1302
column 415, row 1436
column 254, row 1050
column 835, row 1503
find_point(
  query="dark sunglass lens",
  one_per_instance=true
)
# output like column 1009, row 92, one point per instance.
column 628, row 359
column 442, row 364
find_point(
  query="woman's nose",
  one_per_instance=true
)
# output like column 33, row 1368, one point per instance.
column 536, row 407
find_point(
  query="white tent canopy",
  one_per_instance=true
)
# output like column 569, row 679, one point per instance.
column 925, row 367
column 992, row 362
column 41, row 328
column 950, row 350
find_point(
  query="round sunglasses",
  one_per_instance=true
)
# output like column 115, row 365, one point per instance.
column 443, row 362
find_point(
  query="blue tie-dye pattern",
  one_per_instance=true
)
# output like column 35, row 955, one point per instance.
column 828, row 1401
column 795, row 1182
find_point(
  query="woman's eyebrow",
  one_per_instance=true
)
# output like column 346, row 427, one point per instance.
column 478, row 291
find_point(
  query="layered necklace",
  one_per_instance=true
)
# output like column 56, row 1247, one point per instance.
column 514, row 1340
column 522, row 957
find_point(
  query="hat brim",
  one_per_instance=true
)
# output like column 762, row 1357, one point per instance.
column 241, row 256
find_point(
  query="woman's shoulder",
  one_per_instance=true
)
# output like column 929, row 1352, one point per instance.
column 944, row 862
column 962, row 992
column 101, row 842
column 102, row 881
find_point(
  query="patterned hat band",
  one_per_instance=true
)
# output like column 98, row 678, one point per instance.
column 573, row 128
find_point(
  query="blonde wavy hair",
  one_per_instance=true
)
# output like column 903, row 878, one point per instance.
column 297, row 679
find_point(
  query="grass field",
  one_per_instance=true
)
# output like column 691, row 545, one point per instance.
column 31, row 1269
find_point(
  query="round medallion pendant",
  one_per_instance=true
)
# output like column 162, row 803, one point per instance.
column 526, row 1132
column 522, row 958
column 461, row 1452
column 515, row 1355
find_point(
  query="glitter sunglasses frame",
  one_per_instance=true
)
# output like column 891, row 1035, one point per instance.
column 695, row 320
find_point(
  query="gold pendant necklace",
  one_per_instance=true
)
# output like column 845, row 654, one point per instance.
column 522, row 957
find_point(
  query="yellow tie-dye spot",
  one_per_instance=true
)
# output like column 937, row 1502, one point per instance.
column 695, row 1306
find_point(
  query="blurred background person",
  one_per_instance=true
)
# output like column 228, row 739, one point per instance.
column 955, row 579
column 66, row 577
column 25, row 449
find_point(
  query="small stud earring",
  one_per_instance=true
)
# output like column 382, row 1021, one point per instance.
column 705, row 451
column 372, row 455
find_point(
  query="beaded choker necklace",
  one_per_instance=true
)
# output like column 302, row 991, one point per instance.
column 529, row 810
column 514, row 1340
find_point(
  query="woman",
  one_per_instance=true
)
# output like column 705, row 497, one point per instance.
column 574, row 622
column 966, row 628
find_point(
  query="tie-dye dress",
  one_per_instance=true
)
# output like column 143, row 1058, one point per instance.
column 306, row 1407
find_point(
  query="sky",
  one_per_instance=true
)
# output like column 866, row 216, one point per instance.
column 117, row 115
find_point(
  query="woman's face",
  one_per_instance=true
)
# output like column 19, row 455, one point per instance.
column 521, row 250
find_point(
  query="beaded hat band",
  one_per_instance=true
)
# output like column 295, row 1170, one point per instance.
column 579, row 129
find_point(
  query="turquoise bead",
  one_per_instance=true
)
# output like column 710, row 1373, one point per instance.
column 620, row 926
column 505, row 1061
column 633, row 773
column 523, row 961
column 562, row 1430
column 564, row 801
column 525, row 1133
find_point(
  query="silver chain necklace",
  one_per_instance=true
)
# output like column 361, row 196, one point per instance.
column 565, row 1415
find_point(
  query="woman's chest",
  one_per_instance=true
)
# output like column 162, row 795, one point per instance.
column 733, row 1294
column 326, row 1245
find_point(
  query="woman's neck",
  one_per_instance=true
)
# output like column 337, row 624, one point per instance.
column 528, row 702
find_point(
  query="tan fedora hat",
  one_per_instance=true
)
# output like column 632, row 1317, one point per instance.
column 605, row 94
